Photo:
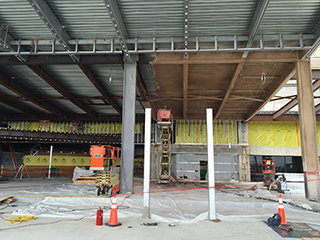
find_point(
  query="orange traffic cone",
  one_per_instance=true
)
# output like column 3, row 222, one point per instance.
column 113, row 221
column 281, row 211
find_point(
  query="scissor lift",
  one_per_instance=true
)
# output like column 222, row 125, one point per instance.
column 165, row 122
column 268, row 171
column 103, row 159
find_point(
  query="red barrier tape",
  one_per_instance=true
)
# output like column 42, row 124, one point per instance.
column 313, row 173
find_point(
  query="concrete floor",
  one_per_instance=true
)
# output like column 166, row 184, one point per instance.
column 132, row 228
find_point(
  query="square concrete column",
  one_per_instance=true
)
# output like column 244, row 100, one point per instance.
column 128, row 127
column 308, row 129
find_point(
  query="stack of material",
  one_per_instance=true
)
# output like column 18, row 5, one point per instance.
column 81, row 175
column 6, row 200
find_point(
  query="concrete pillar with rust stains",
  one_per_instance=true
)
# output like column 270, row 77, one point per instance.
column 308, row 129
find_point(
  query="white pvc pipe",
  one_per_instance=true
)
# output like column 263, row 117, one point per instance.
column 51, row 150
column 212, row 197
column 146, row 175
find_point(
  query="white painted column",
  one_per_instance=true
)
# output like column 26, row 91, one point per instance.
column 211, row 178
column 50, row 160
column 146, row 174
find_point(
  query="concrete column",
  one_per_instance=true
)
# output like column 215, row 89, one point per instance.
column 244, row 165
column 308, row 129
column 244, row 158
column 128, row 127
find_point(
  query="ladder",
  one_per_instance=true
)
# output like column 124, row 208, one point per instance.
column 73, row 126
column 45, row 123
column 13, row 155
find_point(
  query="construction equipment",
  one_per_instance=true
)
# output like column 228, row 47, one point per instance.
column 165, row 123
column 105, row 159
column 268, row 171
column 13, row 155
column 20, row 170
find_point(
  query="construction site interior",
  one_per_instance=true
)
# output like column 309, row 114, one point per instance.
column 159, row 119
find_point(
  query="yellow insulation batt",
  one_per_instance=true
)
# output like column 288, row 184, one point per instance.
column 18, row 220
column 276, row 133
column 88, row 127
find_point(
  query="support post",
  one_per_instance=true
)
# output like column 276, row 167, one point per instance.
column 211, row 183
column 308, row 129
column 50, row 160
column 128, row 127
column 146, row 174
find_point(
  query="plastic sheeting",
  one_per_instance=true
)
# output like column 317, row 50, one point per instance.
column 182, row 206
column 276, row 133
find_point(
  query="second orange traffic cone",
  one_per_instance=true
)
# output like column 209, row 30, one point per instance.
column 113, row 221
column 281, row 211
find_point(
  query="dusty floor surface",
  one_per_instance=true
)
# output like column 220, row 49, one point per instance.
column 67, row 211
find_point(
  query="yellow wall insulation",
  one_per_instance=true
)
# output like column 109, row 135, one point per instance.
column 88, row 127
column 224, row 132
column 263, row 133
column 277, row 133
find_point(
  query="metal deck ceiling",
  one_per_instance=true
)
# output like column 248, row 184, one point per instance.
column 63, row 59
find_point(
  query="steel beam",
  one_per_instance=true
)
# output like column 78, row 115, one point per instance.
column 128, row 127
column 288, row 72
column 255, row 23
column 284, row 117
column 97, row 83
column 293, row 102
column 280, row 42
column 53, row 24
column 16, row 87
column 229, row 89
column 316, row 43
column 119, row 27
column 317, row 108
column 42, row 73
column 63, row 59
column 20, row 107
column 143, row 92
column 4, row 36
column 308, row 130
column 61, row 35
column 185, row 90
column 59, row 137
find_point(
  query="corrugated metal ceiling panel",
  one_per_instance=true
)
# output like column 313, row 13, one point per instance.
column 23, row 21
column 208, row 17
column 104, row 72
column 5, row 107
column 83, row 18
column 73, row 79
column 147, row 18
column 30, row 80
column 290, row 16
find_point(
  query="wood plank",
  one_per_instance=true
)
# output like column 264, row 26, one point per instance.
column 223, row 61
column 84, row 181
column 6, row 199
column 87, row 177
column 288, row 72
column 229, row 89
